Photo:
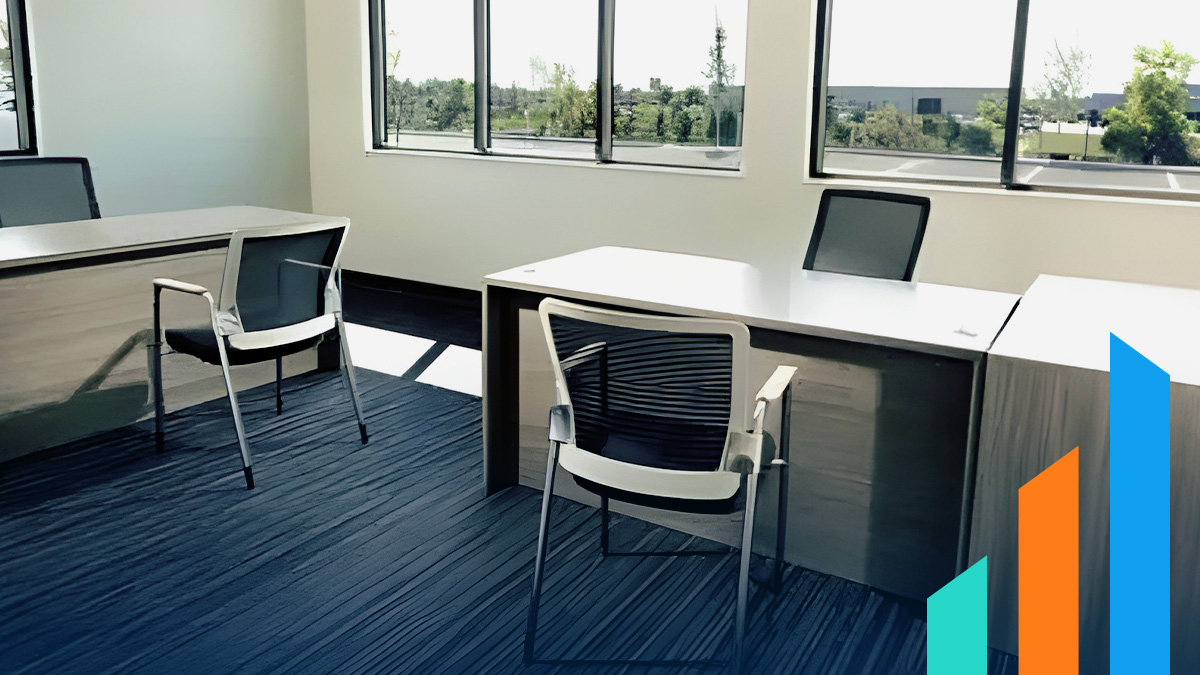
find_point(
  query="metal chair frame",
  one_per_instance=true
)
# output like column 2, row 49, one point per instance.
column 743, row 456
column 227, row 328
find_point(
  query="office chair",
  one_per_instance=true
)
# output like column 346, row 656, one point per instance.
column 280, row 295
column 36, row 190
column 869, row 234
column 652, row 410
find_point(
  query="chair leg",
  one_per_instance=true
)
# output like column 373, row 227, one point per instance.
column 539, row 563
column 279, row 385
column 604, row 526
column 348, row 378
column 785, row 436
column 237, row 415
column 156, row 374
column 744, row 573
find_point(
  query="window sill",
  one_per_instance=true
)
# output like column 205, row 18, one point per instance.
column 558, row 162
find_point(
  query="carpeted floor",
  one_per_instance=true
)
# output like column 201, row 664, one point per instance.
column 382, row 558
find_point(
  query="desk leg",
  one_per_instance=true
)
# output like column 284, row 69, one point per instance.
column 501, row 389
column 966, row 509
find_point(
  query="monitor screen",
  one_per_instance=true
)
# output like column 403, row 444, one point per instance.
column 868, row 234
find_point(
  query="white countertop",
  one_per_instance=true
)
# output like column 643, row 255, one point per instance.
column 931, row 318
column 1066, row 321
column 51, row 242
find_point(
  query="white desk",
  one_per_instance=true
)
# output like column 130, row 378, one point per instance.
column 77, row 303
column 1046, row 393
column 884, row 421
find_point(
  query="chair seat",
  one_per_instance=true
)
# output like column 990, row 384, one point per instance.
column 202, row 344
column 689, row 491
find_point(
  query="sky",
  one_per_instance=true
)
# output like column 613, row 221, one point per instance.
column 968, row 43
column 667, row 39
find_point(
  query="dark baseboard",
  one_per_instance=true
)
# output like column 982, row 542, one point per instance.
column 379, row 282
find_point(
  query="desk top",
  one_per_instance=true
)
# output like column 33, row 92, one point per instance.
column 1066, row 321
column 930, row 318
column 53, row 242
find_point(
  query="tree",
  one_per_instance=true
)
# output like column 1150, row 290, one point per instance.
column 719, row 71
column 978, row 138
column 887, row 127
column 1152, row 126
column 6, row 65
column 1067, row 74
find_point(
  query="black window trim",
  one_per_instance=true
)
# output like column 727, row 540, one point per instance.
column 1008, row 159
column 18, row 35
column 482, row 135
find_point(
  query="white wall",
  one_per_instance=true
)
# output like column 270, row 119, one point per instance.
column 450, row 220
column 176, row 104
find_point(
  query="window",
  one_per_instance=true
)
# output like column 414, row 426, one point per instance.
column 1013, row 93
column 16, row 98
column 428, row 74
column 662, row 85
column 544, row 70
column 681, row 105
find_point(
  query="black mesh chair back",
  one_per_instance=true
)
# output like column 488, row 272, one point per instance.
column 35, row 190
column 647, row 397
column 281, row 279
column 869, row 234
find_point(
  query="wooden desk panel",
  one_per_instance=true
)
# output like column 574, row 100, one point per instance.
column 1047, row 391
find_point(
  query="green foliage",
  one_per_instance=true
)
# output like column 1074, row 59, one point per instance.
column 647, row 121
column 978, row 138
column 1152, row 128
column 888, row 128
column 432, row 105
column 992, row 109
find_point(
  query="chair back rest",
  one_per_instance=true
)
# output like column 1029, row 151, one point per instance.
column 866, row 233
column 281, row 276
column 650, row 390
column 35, row 190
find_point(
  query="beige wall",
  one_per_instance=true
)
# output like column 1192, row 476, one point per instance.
column 451, row 220
column 177, row 104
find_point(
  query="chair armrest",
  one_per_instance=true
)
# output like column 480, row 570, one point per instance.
column 307, row 264
column 771, row 391
column 560, row 424
column 181, row 286
column 773, row 388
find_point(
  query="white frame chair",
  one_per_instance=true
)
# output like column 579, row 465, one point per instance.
column 742, row 456
column 227, row 328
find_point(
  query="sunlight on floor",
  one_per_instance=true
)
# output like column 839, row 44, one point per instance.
column 384, row 351
column 457, row 368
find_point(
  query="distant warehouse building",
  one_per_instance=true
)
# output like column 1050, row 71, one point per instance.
column 953, row 101
column 962, row 101
column 1102, row 102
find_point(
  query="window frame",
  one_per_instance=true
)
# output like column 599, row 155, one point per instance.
column 18, row 35
column 603, row 142
column 1009, row 152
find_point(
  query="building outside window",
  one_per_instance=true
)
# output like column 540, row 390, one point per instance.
column 1107, row 101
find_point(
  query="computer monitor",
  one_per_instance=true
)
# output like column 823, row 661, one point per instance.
column 867, row 233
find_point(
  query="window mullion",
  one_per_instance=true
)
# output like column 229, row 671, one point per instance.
column 483, row 77
column 378, row 77
column 820, row 88
column 1012, row 119
column 604, row 81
